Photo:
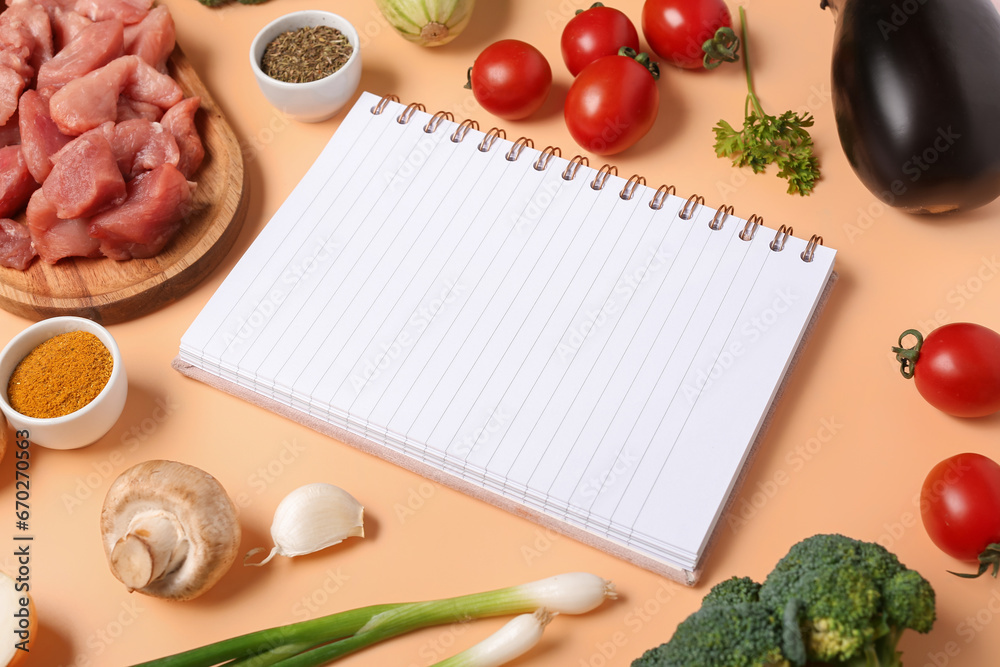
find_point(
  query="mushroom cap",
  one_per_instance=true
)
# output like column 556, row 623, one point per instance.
column 198, row 503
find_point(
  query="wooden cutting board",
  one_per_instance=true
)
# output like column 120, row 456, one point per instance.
column 108, row 291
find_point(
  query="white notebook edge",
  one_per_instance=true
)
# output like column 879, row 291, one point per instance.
column 668, row 570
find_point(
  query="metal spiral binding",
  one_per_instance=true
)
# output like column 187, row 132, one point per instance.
column 690, row 206
column 543, row 158
column 519, row 145
column 631, row 184
column 750, row 229
column 569, row 173
column 383, row 103
column 407, row 113
column 656, row 203
column 810, row 251
column 487, row 143
column 436, row 120
column 601, row 177
column 463, row 129
column 721, row 214
column 780, row 237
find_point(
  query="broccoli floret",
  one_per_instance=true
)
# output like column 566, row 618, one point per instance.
column 722, row 635
column 732, row 591
column 855, row 598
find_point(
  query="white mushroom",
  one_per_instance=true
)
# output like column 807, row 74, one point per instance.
column 169, row 530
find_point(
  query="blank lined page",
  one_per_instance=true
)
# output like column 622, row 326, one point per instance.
column 561, row 337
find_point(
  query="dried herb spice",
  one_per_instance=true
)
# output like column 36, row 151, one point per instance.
column 306, row 54
column 60, row 376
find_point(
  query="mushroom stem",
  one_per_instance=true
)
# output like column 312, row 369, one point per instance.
column 154, row 546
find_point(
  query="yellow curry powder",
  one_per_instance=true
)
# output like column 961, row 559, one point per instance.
column 60, row 376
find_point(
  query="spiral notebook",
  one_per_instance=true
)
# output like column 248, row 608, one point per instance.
column 579, row 348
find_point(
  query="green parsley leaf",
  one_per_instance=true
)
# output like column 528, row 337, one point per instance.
column 764, row 139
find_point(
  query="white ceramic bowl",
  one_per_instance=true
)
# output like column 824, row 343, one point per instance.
column 87, row 424
column 316, row 100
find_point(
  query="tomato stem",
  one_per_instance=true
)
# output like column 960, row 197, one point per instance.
column 596, row 4
column 907, row 356
column 722, row 48
column 990, row 558
column 641, row 58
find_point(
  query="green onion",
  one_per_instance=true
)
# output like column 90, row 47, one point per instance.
column 322, row 640
column 511, row 641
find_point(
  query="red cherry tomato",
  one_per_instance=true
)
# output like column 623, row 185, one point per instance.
column 956, row 368
column 676, row 29
column 511, row 79
column 960, row 507
column 594, row 33
column 611, row 104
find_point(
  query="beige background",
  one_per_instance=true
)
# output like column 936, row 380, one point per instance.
column 847, row 451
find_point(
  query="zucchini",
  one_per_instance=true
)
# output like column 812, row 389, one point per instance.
column 427, row 22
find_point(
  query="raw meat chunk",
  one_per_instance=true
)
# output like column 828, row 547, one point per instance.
column 93, row 47
column 179, row 121
column 40, row 138
column 140, row 145
column 36, row 21
column 85, row 178
column 11, row 85
column 85, row 103
column 54, row 238
column 17, row 43
column 16, row 183
column 130, row 109
column 16, row 251
column 129, row 11
column 156, row 205
column 10, row 132
column 153, row 38
column 66, row 25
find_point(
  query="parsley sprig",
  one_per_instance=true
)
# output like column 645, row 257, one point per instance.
column 764, row 139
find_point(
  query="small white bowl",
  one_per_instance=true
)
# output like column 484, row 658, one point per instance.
column 89, row 423
column 315, row 100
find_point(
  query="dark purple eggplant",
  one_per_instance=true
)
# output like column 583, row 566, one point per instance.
column 916, row 93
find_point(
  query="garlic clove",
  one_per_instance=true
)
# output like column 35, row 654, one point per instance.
column 311, row 518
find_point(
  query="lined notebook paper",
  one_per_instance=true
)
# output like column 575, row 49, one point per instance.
column 574, row 346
